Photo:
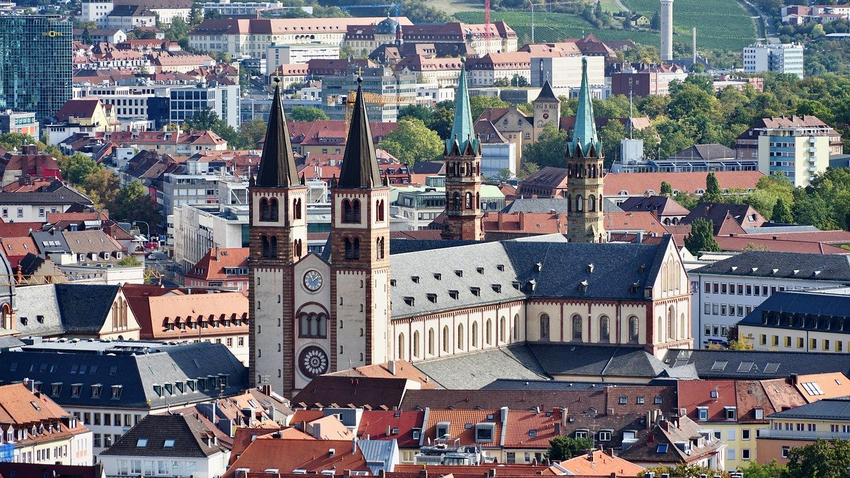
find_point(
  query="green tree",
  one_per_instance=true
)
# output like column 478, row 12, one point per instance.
column 550, row 149
column 306, row 114
column 782, row 213
column 132, row 203
column 86, row 38
column 701, row 237
column 821, row 459
column 564, row 447
column 611, row 135
column 655, row 21
column 252, row 132
column 478, row 104
column 712, row 189
column 202, row 120
column 770, row 469
column 412, row 142
column 502, row 176
column 101, row 187
column 420, row 112
column 442, row 119
column 78, row 167
column 16, row 141
column 666, row 189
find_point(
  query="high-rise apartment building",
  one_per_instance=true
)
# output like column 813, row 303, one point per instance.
column 780, row 58
column 35, row 64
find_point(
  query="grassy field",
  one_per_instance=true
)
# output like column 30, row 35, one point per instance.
column 721, row 24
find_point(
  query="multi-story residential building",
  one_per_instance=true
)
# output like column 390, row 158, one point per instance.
column 174, row 143
column 420, row 206
column 797, row 427
column 129, row 17
column 800, row 321
column 35, row 72
column 108, row 386
column 727, row 291
column 34, row 205
column 160, row 10
column 645, row 80
column 223, row 99
column 241, row 38
column 364, row 39
column 438, row 72
column 501, row 67
column 172, row 444
column 780, row 58
column 37, row 430
column 246, row 9
column 678, row 440
column 503, row 39
column 795, row 147
column 19, row 122
column 225, row 268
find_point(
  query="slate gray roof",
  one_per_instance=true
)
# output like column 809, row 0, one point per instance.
column 474, row 371
column 769, row 228
column 828, row 267
column 187, row 432
column 379, row 454
column 597, row 360
column 56, row 193
column 828, row 409
column 8, row 342
column 48, row 242
column 756, row 365
column 84, row 307
column 803, row 311
column 134, row 366
column 38, row 306
column 425, row 282
column 704, row 152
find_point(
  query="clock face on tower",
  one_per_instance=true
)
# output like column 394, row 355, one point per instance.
column 312, row 362
column 313, row 280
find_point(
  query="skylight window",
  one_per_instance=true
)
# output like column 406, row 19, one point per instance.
column 141, row 443
column 169, row 443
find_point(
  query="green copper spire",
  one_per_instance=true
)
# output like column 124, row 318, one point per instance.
column 463, row 134
column 585, row 141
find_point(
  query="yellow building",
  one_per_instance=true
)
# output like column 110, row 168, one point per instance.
column 801, row 426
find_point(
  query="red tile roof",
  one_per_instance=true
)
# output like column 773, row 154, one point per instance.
column 212, row 265
column 389, row 424
column 528, row 429
column 245, row 436
column 597, row 463
column 462, row 425
column 287, row 455
column 713, row 394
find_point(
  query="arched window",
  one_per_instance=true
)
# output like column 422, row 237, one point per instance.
column 379, row 248
column 313, row 325
column 352, row 248
column 264, row 209
column 502, row 336
column 516, row 326
column 273, row 210
column 456, row 202
column 296, row 208
column 671, row 320
column 569, row 203
column 604, row 329
column 266, row 250
column 415, row 344
column 577, row 328
column 544, row 327
column 474, row 336
column 379, row 210
column 347, row 213
column 401, row 346
column 446, row 342
column 683, row 327
column 460, row 338
column 468, row 201
column 297, row 247
column 591, row 203
column 273, row 247
column 660, row 329
column 431, row 341
column 579, row 203
column 488, row 332
column 355, row 208
column 356, row 250
column 634, row 330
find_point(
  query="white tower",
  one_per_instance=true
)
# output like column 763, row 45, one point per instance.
column 666, row 30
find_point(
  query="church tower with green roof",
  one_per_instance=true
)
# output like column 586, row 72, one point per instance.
column 463, row 172
column 585, row 219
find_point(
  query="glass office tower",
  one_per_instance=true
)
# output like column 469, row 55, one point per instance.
column 35, row 64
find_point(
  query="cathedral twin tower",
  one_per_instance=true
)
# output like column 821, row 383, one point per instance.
column 311, row 315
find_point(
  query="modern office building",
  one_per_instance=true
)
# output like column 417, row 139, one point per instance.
column 780, row 58
column 18, row 122
column 35, row 64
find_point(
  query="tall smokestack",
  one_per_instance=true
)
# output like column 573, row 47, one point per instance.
column 694, row 44
column 666, row 30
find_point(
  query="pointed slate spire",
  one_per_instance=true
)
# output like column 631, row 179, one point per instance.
column 584, row 133
column 359, row 163
column 277, row 164
column 463, row 132
column 546, row 94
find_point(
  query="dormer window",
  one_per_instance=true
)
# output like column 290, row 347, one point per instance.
column 454, row 294
column 476, row 291
column 432, row 298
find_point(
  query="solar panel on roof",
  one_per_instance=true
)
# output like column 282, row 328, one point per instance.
column 745, row 366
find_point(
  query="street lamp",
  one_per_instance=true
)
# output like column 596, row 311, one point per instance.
column 146, row 225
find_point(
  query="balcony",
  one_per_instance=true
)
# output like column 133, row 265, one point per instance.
column 813, row 150
column 801, row 435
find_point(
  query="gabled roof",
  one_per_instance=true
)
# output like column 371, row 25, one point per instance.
column 78, row 108
column 85, row 307
column 91, row 242
column 827, row 267
column 56, row 194
column 212, row 266
column 713, row 395
column 598, row 463
column 277, row 165
column 755, row 364
column 287, row 455
column 658, row 205
column 703, row 152
column 168, row 435
column 38, row 470
column 638, row 184
column 359, row 164
column 462, row 425
column 546, row 94
column 745, row 215
column 831, row 410
column 16, row 408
